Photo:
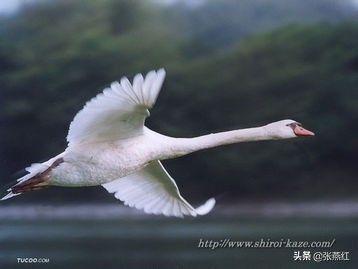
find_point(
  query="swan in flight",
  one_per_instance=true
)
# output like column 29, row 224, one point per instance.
column 109, row 145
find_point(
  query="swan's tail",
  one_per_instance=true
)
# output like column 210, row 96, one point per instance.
column 9, row 195
column 36, row 179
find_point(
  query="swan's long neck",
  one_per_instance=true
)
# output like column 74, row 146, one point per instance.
column 188, row 145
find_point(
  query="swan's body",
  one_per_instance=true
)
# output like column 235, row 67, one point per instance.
column 110, row 146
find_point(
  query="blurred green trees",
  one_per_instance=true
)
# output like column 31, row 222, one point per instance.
column 56, row 55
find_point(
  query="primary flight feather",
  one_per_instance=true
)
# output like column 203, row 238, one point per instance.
column 109, row 145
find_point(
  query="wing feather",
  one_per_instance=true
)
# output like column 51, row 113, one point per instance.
column 153, row 190
column 118, row 112
column 137, row 85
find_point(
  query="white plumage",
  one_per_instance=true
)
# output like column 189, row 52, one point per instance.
column 117, row 113
column 109, row 145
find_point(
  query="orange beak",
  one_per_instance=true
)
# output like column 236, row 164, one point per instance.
column 300, row 131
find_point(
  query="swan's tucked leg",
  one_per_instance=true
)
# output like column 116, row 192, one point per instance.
column 35, row 180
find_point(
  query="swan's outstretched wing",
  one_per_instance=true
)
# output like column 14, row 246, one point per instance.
column 153, row 190
column 118, row 112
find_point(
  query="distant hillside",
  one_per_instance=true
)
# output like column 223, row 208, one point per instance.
column 221, row 23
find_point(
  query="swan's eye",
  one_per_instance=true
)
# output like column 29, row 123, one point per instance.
column 293, row 125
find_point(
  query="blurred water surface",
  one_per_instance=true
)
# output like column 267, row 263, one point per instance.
column 136, row 241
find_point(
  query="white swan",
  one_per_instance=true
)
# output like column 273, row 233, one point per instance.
column 109, row 145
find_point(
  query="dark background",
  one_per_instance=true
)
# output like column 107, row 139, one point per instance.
column 230, row 64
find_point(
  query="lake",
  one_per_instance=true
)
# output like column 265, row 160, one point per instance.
column 96, row 238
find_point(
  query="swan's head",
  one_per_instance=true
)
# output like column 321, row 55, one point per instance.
column 286, row 129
